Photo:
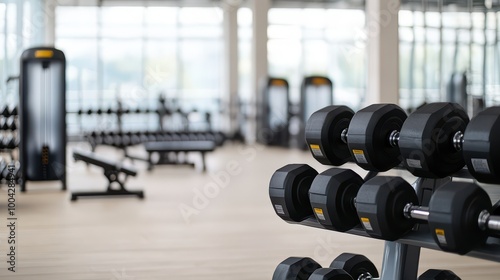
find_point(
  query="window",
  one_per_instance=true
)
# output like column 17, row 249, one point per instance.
column 328, row 42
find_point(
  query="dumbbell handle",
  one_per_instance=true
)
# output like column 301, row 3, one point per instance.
column 485, row 221
column 393, row 137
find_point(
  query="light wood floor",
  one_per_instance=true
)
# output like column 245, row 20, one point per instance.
column 233, row 235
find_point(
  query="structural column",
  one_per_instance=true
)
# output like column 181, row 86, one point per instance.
column 383, row 51
column 231, row 96
column 260, row 10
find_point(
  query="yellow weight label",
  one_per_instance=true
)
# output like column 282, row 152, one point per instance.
column 44, row 54
column 439, row 231
column 366, row 223
column 358, row 152
column 359, row 156
column 319, row 213
column 441, row 236
column 316, row 150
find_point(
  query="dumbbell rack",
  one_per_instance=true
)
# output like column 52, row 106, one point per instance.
column 401, row 257
column 5, row 114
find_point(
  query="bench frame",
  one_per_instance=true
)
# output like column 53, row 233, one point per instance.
column 112, row 173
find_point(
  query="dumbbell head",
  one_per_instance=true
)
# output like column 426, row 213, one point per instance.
column 355, row 265
column 13, row 111
column 435, row 274
column 369, row 136
column 454, row 211
column 295, row 268
column 332, row 196
column 330, row 274
column 5, row 111
column 480, row 148
column 288, row 190
column 380, row 204
column 426, row 140
column 323, row 134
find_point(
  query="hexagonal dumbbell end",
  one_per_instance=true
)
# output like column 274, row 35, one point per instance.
column 330, row 274
column 289, row 191
column 356, row 265
column 435, row 274
column 380, row 205
column 295, row 268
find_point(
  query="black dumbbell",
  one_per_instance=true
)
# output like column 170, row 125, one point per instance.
column 295, row 268
column 13, row 111
column 435, row 274
column 480, row 145
column 357, row 266
column 11, row 123
column 3, row 124
column 381, row 204
column 330, row 274
column 288, row 191
column 430, row 140
column 458, row 214
column 335, row 135
column 332, row 195
column 9, row 142
column 5, row 111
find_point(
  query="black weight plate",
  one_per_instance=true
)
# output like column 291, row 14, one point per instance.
column 426, row 140
column 295, row 268
column 288, row 190
column 332, row 196
column 453, row 216
column 330, row 274
column 480, row 149
column 380, row 205
column 323, row 135
column 355, row 265
column 434, row 274
column 369, row 133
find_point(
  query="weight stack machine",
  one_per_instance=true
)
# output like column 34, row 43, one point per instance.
column 42, row 116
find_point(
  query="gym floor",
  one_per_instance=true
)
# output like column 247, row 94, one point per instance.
column 190, row 225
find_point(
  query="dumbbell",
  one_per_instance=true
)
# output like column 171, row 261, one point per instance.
column 346, row 266
column 3, row 124
column 336, row 135
column 5, row 111
column 295, row 268
column 9, row 142
column 13, row 111
column 435, row 274
column 332, row 196
column 458, row 214
column 357, row 266
column 289, row 191
column 12, row 123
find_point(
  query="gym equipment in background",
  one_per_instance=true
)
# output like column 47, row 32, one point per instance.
column 112, row 171
column 42, row 116
column 316, row 92
column 275, row 116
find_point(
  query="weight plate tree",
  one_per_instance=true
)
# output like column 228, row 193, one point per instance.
column 42, row 114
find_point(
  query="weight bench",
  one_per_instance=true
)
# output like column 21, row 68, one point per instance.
column 112, row 171
column 164, row 148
